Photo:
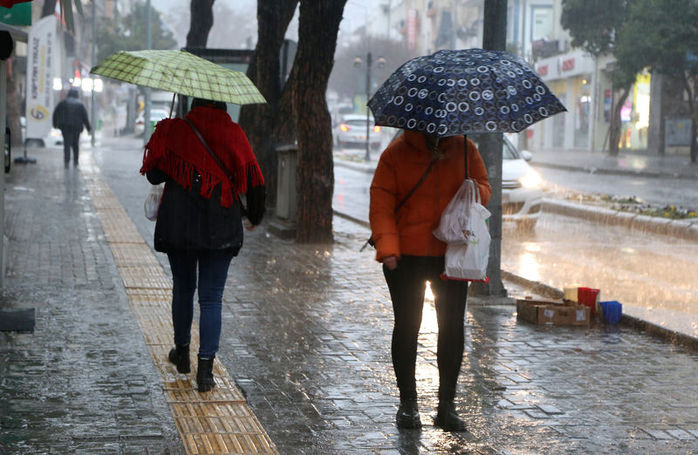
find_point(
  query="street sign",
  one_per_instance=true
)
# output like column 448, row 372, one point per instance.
column 20, row 14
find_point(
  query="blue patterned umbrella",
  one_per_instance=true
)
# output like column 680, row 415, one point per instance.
column 461, row 92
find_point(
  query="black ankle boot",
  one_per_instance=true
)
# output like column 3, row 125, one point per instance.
column 408, row 414
column 204, row 375
column 179, row 355
column 447, row 418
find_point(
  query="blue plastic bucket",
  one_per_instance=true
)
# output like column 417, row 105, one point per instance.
column 612, row 311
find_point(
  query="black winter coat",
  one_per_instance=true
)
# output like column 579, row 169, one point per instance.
column 188, row 221
column 70, row 114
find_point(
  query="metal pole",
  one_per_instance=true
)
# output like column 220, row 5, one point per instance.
column 494, row 38
column 93, row 106
column 369, row 62
column 3, row 119
column 148, row 46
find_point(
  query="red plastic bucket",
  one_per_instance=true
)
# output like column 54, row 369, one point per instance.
column 588, row 297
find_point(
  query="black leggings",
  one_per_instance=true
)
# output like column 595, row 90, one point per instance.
column 407, row 284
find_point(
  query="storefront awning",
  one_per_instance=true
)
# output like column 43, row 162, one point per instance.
column 17, row 33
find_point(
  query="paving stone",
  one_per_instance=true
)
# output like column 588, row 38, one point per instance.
column 550, row 409
column 83, row 372
column 680, row 434
column 306, row 330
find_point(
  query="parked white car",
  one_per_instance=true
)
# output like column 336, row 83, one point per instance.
column 522, row 187
column 155, row 116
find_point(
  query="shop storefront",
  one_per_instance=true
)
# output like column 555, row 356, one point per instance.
column 635, row 115
column 570, row 78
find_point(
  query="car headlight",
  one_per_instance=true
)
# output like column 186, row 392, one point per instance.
column 531, row 180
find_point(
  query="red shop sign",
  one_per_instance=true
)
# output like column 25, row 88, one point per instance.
column 568, row 64
column 543, row 70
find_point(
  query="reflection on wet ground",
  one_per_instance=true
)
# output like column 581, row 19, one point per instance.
column 523, row 389
column 653, row 276
column 306, row 334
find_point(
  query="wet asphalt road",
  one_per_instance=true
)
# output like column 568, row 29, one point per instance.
column 655, row 191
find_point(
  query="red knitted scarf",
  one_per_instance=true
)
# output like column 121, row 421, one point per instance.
column 175, row 149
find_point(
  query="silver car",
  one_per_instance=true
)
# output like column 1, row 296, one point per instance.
column 351, row 132
column 522, row 187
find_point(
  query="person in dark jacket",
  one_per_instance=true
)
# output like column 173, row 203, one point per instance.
column 199, row 221
column 69, row 116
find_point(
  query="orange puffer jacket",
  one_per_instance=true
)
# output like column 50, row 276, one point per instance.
column 402, row 164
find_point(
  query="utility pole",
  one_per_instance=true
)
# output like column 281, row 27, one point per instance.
column 148, row 46
column 93, row 106
column 369, row 62
column 494, row 37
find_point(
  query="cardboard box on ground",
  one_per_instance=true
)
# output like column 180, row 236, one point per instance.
column 554, row 312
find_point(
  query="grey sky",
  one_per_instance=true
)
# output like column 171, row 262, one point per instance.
column 355, row 12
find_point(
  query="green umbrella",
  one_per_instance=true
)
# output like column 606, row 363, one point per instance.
column 180, row 72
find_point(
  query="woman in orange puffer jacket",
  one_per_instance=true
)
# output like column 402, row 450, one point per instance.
column 411, row 256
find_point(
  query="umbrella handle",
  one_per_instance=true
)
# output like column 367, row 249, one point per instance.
column 172, row 103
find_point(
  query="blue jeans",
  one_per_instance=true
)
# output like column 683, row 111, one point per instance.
column 213, row 271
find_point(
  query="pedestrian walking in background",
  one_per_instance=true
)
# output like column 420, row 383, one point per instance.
column 199, row 222
column 411, row 256
column 70, row 116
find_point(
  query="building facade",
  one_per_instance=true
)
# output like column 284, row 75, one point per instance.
column 534, row 31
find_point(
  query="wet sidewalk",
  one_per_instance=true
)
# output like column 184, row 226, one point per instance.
column 626, row 163
column 306, row 336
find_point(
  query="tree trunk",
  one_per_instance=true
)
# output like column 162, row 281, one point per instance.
column 690, row 91
column 694, row 135
column 494, row 38
column 614, row 127
column 201, row 22
column 258, row 120
column 317, row 39
column 49, row 8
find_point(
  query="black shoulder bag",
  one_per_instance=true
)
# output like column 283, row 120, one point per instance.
column 216, row 159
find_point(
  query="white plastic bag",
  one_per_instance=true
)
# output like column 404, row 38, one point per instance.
column 468, row 261
column 453, row 227
column 152, row 201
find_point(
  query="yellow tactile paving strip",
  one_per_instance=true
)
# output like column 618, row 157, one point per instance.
column 216, row 422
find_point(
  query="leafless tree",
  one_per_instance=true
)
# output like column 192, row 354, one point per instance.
column 317, row 41
column 200, row 23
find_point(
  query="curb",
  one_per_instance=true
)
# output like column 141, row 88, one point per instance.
column 649, row 328
column 605, row 171
column 685, row 229
column 534, row 286
column 657, row 331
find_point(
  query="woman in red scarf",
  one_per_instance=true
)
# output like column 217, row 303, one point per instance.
column 199, row 222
